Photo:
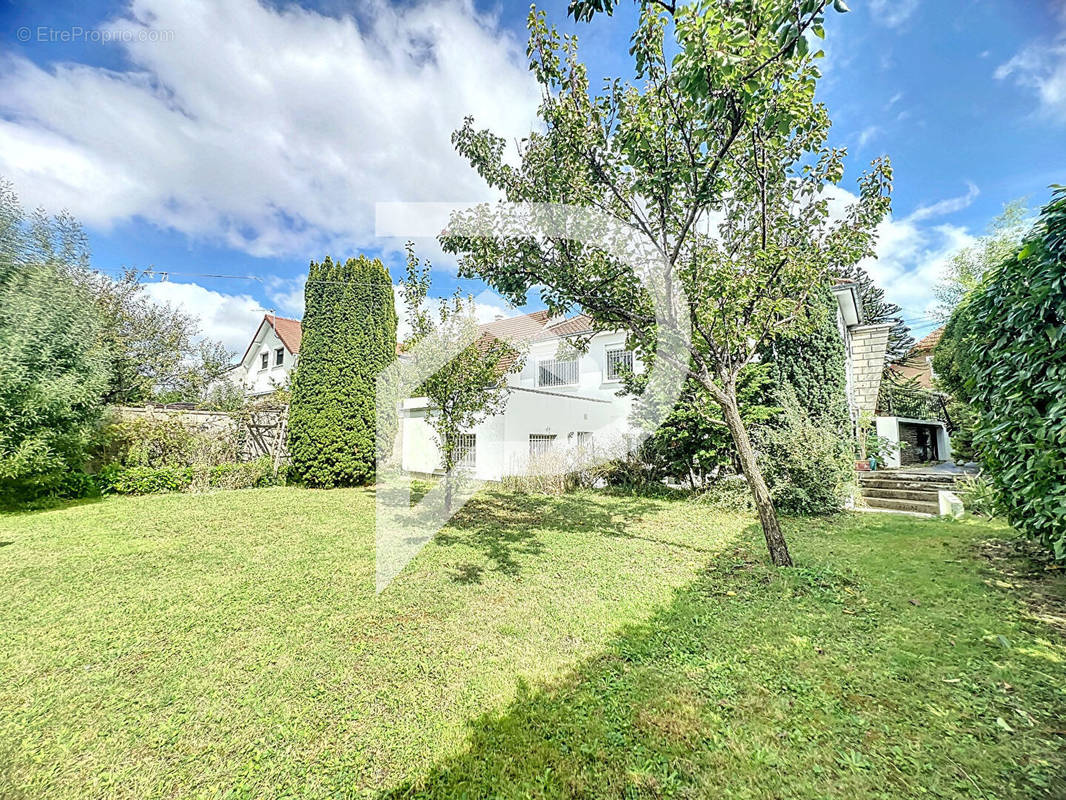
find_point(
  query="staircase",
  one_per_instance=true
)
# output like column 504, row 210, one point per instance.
column 898, row 490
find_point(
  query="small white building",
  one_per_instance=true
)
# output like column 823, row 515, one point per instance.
column 271, row 356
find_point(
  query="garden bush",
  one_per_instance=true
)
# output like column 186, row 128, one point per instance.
column 255, row 474
column 808, row 465
column 144, row 480
column 1006, row 356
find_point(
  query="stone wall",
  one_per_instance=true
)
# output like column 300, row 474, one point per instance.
column 259, row 432
column 919, row 442
column 868, row 346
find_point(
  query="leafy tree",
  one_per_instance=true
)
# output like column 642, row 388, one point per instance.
column 53, row 367
column 349, row 336
column 1004, row 352
column 469, row 388
column 728, row 125
column 693, row 442
column 964, row 272
column 876, row 309
column 156, row 352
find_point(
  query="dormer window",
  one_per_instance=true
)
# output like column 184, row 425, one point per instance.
column 279, row 356
column 264, row 360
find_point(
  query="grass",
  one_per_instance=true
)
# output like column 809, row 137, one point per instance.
column 230, row 645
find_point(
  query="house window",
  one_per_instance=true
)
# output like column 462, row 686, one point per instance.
column 465, row 451
column 618, row 361
column 279, row 356
column 264, row 360
column 540, row 443
column 557, row 372
column 584, row 438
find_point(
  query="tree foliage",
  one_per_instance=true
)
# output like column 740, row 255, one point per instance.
column 693, row 443
column 812, row 366
column 349, row 336
column 1004, row 351
column 964, row 272
column 156, row 351
column 721, row 118
column 471, row 386
column 53, row 364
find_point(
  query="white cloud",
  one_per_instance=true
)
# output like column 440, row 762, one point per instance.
column 272, row 131
column 910, row 256
column 892, row 13
column 1042, row 68
column 234, row 318
column 868, row 134
column 231, row 319
column 910, row 260
column 947, row 206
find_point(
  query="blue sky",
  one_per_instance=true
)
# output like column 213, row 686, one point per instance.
column 226, row 137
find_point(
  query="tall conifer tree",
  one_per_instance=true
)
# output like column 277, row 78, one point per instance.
column 349, row 337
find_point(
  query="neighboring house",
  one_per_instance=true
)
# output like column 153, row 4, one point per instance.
column 561, row 399
column 271, row 356
column 923, row 439
column 918, row 363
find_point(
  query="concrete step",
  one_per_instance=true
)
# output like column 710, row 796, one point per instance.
column 903, row 475
column 903, row 505
column 916, row 486
column 922, row 496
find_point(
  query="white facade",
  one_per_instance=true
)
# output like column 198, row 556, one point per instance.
column 551, row 407
column 268, row 362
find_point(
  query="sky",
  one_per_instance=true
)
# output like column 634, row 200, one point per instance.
column 226, row 143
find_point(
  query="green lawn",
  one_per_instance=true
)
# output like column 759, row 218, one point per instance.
column 231, row 645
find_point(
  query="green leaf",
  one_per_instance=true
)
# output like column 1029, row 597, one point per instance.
column 841, row 6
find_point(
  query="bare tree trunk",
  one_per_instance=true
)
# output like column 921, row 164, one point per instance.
column 771, row 528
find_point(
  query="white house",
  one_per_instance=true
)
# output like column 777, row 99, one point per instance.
column 270, row 357
column 560, row 399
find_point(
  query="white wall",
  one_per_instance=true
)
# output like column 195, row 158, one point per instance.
column 888, row 427
column 591, row 405
column 592, row 367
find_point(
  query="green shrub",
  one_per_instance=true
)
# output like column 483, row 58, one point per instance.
column 349, row 337
column 978, row 495
column 164, row 441
column 1006, row 355
column 144, row 480
column 728, row 494
column 808, row 466
column 53, row 366
column 246, row 475
column 259, row 473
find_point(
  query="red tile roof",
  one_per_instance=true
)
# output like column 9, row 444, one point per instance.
column 916, row 363
column 929, row 342
column 524, row 328
column 290, row 331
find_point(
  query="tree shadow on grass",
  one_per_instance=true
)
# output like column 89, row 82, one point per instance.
column 503, row 526
column 753, row 682
column 45, row 505
column 625, row 723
